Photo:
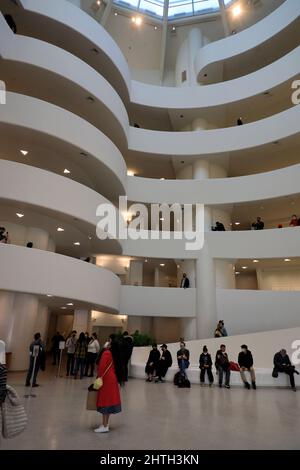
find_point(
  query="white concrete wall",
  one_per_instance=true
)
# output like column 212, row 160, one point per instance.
column 41, row 272
column 263, row 346
column 158, row 301
column 253, row 311
column 279, row 279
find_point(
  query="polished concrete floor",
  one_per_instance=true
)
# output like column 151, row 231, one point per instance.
column 159, row 416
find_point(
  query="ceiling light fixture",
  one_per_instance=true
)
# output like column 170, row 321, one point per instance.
column 255, row 261
column 116, row 14
column 49, row 295
column 244, row 267
column 130, row 173
column 236, row 11
column 24, row 152
column 237, row 272
column 237, row 223
column 66, row 171
column 70, row 304
column 18, row 214
column 162, row 179
column 60, row 229
column 77, row 243
column 63, row 308
column 287, row 259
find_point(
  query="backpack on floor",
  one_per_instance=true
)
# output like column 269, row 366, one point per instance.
column 184, row 382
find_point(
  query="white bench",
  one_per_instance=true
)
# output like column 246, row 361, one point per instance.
column 263, row 376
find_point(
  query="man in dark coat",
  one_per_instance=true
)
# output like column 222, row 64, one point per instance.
column 282, row 363
column 152, row 362
column 245, row 361
column 205, row 365
column 164, row 363
column 126, row 352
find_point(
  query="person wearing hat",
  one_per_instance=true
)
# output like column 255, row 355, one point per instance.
column 3, row 373
column 164, row 363
column 245, row 361
column 205, row 365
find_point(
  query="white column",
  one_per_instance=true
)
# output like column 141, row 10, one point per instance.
column 225, row 277
column 25, row 312
column 106, row 12
column 206, row 303
column 195, row 42
column 136, row 273
column 224, row 18
column 164, row 35
column 81, row 321
column 6, row 317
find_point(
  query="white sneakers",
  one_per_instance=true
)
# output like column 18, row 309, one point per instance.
column 102, row 429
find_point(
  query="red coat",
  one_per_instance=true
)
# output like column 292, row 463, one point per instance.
column 109, row 394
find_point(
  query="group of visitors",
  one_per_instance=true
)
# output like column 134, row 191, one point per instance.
column 4, row 238
column 158, row 364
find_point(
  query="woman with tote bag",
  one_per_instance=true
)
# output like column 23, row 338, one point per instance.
column 108, row 398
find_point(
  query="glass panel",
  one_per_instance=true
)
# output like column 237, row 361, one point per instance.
column 206, row 6
column 154, row 7
column 127, row 3
column 179, row 8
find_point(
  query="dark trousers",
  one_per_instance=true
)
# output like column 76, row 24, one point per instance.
column 90, row 363
column 290, row 372
column 30, row 370
column 209, row 374
column 70, row 364
column 225, row 372
column 162, row 370
column 79, row 365
column 55, row 355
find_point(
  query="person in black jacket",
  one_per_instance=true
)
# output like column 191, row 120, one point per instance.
column 126, row 351
column 36, row 346
column 223, row 366
column 205, row 365
column 164, row 363
column 185, row 282
column 152, row 363
column 245, row 361
column 282, row 363
column 183, row 356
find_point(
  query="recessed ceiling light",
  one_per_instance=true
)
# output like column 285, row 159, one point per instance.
column 237, row 272
column 89, row 237
column 24, row 152
column 77, row 243
column 236, row 11
column 155, row 27
column 70, row 304
column 162, row 219
column 162, row 265
column 173, row 28
column 18, row 214
column 237, row 223
column 63, row 308
column 244, row 267
column 98, row 2
column 255, row 261
column 287, row 259
column 162, row 179
column 146, row 261
column 49, row 295
column 66, row 171
column 60, row 229
column 130, row 173
column 116, row 14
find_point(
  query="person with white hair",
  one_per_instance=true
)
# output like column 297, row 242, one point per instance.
column 3, row 373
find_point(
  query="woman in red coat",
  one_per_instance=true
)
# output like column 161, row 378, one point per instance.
column 108, row 400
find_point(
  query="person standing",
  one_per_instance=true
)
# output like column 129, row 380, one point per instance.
column 185, row 282
column 152, row 363
column 164, row 363
column 282, row 363
column 108, row 399
column 92, row 353
column 258, row 225
column 205, row 365
column 57, row 338
column 80, row 355
column 245, row 361
column 36, row 346
column 3, row 374
column 71, row 345
column 126, row 351
column 223, row 366
column 294, row 222
column 183, row 356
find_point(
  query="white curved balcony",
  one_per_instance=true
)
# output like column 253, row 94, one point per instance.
column 37, row 18
column 283, row 125
column 64, row 80
column 82, row 33
column 218, row 94
column 249, row 39
column 158, row 301
column 56, row 196
column 270, row 243
column 256, row 187
column 26, row 115
column 40, row 273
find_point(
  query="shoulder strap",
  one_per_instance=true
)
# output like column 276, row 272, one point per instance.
column 107, row 369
